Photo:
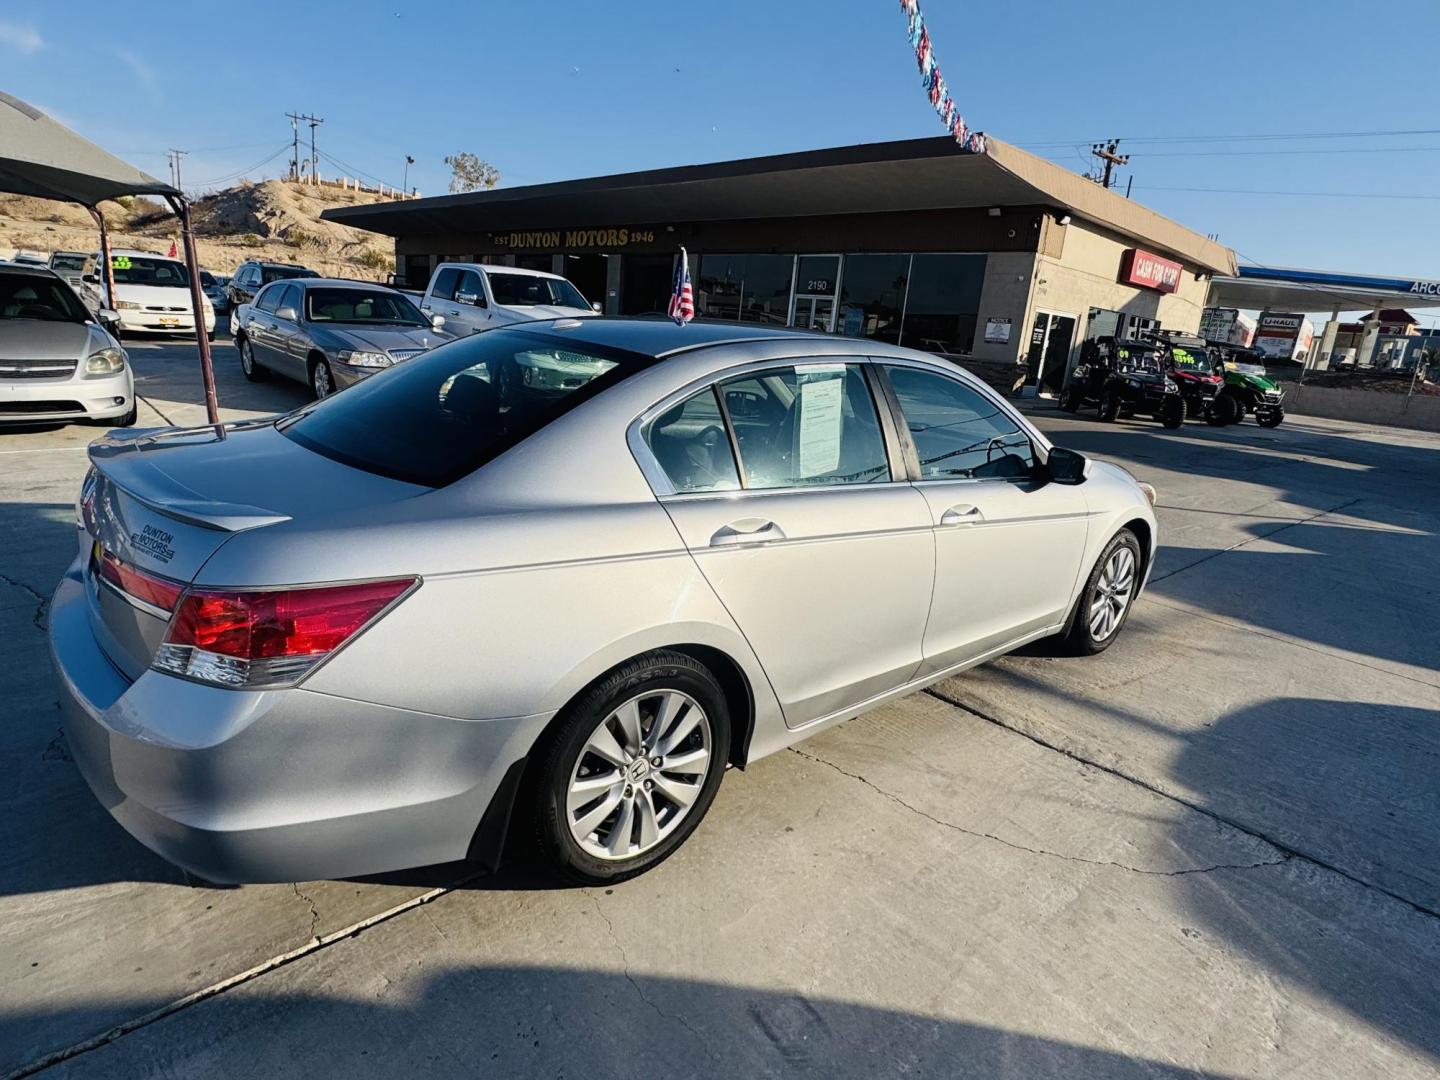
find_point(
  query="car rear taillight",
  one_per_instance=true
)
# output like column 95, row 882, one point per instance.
column 132, row 581
column 271, row 638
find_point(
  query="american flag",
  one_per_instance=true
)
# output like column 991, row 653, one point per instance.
column 682, row 299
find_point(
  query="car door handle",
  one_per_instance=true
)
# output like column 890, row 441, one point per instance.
column 962, row 514
column 747, row 531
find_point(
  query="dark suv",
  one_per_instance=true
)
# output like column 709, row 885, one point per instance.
column 1121, row 378
column 254, row 275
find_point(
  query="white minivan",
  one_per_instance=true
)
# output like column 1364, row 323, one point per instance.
column 476, row 296
column 152, row 294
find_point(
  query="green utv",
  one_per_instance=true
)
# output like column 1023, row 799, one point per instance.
column 1248, row 388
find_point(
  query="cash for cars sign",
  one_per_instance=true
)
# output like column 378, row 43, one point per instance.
column 1140, row 267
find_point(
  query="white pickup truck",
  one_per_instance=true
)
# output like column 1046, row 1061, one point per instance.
column 476, row 296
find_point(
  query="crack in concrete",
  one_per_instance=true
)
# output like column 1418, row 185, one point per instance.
column 314, row 911
column 625, row 965
column 1044, row 852
column 1288, row 850
column 42, row 603
column 1290, row 524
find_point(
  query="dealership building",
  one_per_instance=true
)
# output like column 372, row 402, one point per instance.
column 1002, row 259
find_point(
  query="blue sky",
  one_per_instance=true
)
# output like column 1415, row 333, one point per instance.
column 553, row 90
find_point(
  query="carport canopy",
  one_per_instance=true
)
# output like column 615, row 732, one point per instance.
column 42, row 158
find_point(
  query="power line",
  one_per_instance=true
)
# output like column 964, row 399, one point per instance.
column 1148, row 154
column 1242, row 138
column 248, row 169
column 1305, row 194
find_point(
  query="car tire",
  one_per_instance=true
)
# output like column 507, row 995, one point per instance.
column 569, row 789
column 1069, row 400
column 1089, row 631
column 322, row 379
column 1172, row 412
column 1223, row 410
column 1271, row 417
column 248, row 367
column 1109, row 406
column 209, row 335
column 127, row 419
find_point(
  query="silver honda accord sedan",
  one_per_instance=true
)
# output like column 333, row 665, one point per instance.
column 387, row 629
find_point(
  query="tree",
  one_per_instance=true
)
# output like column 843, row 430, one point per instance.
column 469, row 173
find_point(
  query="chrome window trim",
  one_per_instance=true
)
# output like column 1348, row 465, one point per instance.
column 660, row 483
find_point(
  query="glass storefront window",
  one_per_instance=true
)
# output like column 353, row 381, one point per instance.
column 943, row 301
column 872, row 296
column 745, row 288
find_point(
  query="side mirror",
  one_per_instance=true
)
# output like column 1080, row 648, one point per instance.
column 466, row 298
column 289, row 314
column 597, row 307
column 93, row 279
column 437, row 322
column 1066, row 466
column 108, row 315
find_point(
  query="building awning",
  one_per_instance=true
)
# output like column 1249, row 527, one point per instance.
column 910, row 175
column 42, row 158
column 1304, row 291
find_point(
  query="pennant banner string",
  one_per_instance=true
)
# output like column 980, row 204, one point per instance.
column 972, row 142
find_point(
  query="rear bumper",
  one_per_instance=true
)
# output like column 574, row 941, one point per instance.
column 278, row 785
column 74, row 398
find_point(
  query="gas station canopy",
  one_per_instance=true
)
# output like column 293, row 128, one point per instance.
column 1281, row 289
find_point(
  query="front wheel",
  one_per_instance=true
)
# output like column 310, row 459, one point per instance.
column 126, row 419
column 1223, row 410
column 631, row 770
column 322, row 382
column 1069, row 400
column 1109, row 406
column 1270, row 417
column 1172, row 411
column 1105, row 601
column 251, row 370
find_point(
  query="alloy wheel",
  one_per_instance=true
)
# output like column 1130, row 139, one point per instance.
column 1113, row 590
column 320, row 381
column 638, row 774
column 247, row 362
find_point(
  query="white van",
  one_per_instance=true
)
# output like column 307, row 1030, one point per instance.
column 152, row 294
column 477, row 296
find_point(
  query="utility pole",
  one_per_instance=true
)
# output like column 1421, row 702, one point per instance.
column 405, row 183
column 296, row 119
column 1106, row 153
column 175, row 156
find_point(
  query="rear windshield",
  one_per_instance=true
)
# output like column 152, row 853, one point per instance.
column 67, row 262
column 438, row 417
column 280, row 273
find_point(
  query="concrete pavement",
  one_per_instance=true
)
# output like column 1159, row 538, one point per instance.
column 1209, row 851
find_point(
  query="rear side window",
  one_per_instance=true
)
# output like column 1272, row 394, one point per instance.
column 690, row 443
column 958, row 432
column 813, row 424
column 444, row 287
column 269, row 298
column 444, row 414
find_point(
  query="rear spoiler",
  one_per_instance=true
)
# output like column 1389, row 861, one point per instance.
column 122, row 462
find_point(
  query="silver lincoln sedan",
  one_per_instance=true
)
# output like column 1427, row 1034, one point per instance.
column 555, row 578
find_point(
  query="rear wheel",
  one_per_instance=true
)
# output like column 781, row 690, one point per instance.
column 1069, row 400
column 1223, row 410
column 631, row 770
column 1105, row 601
column 1270, row 417
column 1172, row 411
column 251, row 370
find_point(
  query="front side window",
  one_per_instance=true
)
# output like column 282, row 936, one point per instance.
column 470, row 287
column 269, row 299
column 958, row 432
column 290, row 298
column 808, row 425
column 444, row 287
column 690, row 443
column 438, row 417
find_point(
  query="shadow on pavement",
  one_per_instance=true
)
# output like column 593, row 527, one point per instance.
column 555, row 1022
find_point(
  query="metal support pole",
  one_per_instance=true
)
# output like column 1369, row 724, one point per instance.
column 108, row 273
column 197, row 302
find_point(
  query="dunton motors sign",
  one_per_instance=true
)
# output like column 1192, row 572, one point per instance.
column 1140, row 267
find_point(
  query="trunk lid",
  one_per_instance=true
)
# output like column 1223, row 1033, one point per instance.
column 158, row 504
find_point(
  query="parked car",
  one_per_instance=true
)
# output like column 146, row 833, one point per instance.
column 214, row 286
column 476, row 296
column 1248, row 388
column 152, row 294
column 1191, row 366
column 57, row 362
column 1121, row 378
column 70, row 265
column 250, row 277
column 329, row 334
column 358, row 637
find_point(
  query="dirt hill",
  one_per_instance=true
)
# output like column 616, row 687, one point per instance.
column 275, row 220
